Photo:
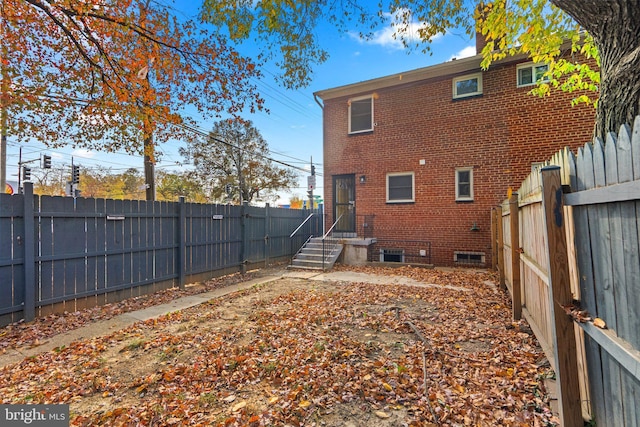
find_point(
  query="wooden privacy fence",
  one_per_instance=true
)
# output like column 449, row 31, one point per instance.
column 63, row 254
column 572, row 231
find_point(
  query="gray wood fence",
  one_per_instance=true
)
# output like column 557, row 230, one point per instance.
column 63, row 254
column 596, row 260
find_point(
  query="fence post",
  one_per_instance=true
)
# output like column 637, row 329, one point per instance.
column 182, row 238
column 29, row 254
column 494, row 239
column 243, row 238
column 564, row 340
column 514, row 219
column 503, row 285
column 267, row 233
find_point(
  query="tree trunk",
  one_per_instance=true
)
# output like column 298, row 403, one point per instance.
column 615, row 27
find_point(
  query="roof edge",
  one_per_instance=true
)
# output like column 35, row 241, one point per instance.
column 449, row 68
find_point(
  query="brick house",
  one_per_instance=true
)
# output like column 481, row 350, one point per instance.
column 417, row 160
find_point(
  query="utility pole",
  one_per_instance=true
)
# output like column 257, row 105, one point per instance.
column 311, row 184
column 149, row 164
column 4, row 105
column 19, row 173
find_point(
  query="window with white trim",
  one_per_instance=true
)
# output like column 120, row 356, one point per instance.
column 531, row 73
column 400, row 187
column 464, row 184
column 361, row 114
column 469, row 85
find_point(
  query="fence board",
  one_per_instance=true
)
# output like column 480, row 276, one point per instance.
column 616, row 165
column 506, row 237
column 603, row 271
column 569, row 178
column 514, row 225
column 584, row 181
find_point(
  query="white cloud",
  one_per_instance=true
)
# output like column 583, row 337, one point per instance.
column 464, row 53
column 85, row 154
column 385, row 37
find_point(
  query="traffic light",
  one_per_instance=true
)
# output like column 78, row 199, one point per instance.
column 313, row 170
column 26, row 173
column 46, row 162
column 310, row 194
column 75, row 174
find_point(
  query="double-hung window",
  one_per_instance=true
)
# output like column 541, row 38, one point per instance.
column 400, row 187
column 469, row 85
column 531, row 73
column 361, row 114
column 464, row 184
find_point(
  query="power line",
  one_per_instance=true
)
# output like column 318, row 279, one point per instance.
column 221, row 141
column 190, row 128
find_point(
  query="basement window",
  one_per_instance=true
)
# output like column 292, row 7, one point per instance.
column 471, row 258
column 391, row 255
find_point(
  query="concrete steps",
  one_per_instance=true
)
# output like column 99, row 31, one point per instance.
column 311, row 255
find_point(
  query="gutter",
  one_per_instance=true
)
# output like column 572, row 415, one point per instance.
column 448, row 68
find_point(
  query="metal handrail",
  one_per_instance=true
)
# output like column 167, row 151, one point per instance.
column 303, row 245
column 300, row 226
column 324, row 248
column 332, row 227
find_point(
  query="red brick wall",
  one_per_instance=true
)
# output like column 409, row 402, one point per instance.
column 499, row 134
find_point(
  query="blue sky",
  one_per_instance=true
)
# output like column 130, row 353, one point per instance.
column 293, row 128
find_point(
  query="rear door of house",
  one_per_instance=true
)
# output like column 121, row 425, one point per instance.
column 344, row 203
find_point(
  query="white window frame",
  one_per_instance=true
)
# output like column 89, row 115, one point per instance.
column 465, row 197
column 464, row 78
column 413, row 187
column 532, row 66
column 360, row 98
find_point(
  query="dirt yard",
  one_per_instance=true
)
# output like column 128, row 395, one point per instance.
column 295, row 352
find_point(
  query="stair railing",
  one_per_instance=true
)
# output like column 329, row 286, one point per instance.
column 333, row 243
column 294, row 233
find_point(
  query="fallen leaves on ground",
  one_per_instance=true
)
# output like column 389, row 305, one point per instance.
column 297, row 352
column 33, row 334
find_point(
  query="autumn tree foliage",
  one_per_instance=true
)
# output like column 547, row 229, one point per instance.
column 544, row 30
column 114, row 74
column 295, row 202
column 105, row 183
column 233, row 164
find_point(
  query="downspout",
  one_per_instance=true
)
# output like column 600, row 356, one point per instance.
column 315, row 98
